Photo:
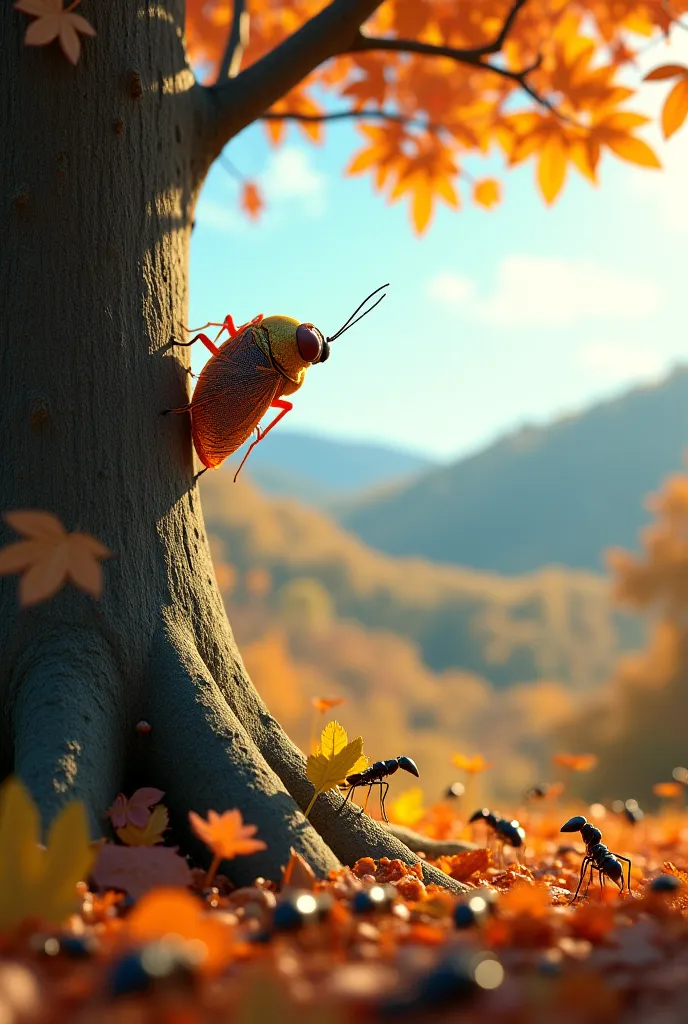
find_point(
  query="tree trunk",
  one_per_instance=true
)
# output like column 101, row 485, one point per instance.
column 101, row 167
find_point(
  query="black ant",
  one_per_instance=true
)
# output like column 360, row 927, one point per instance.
column 597, row 856
column 511, row 833
column 374, row 776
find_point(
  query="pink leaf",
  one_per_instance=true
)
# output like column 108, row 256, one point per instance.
column 137, row 869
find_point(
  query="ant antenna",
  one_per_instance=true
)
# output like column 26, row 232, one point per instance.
column 350, row 322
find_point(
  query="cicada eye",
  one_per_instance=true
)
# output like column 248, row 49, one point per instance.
column 309, row 343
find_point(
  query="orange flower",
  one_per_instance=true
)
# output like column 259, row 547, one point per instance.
column 668, row 789
column 226, row 835
column 323, row 704
column 576, row 762
column 471, row 765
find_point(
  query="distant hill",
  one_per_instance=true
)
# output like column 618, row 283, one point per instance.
column 318, row 470
column 559, row 494
column 553, row 624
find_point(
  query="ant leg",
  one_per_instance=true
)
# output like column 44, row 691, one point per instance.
column 383, row 797
column 346, row 799
column 619, row 857
column 277, row 403
column 586, row 861
column 365, row 805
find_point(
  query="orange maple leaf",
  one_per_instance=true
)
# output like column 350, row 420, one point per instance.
column 53, row 21
column 487, row 193
column 50, row 557
column 668, row 789
column 471, row 765
column 576, row 762
column 323, row 704
column 251, row 200
column 225, row 834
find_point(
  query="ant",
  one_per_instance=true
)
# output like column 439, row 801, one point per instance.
column 374, row 776
column 511, row 833
column 597, row 856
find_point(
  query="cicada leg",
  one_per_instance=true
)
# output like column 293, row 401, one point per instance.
column 278, row 403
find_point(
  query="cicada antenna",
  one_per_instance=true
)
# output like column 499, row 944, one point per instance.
column 350, row 322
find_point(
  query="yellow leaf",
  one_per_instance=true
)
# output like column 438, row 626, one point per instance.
column 334, row 760
column 333, row 739
column 408, row 809
column 552, row 168
column 634, row 150
column 675, row 108
column 150, row 834
column 38, row 882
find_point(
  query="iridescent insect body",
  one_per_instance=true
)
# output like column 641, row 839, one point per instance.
column 375, row 775
column 251, row 372
column 597, row 856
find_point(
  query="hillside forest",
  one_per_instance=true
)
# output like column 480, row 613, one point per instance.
column 440, row 659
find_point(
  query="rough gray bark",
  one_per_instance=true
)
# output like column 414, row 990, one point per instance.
column 100, row 171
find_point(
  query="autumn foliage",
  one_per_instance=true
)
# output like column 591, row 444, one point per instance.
column 435, row 84
column 638, row 723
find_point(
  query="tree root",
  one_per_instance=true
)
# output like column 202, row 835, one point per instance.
column 69, row 722
column 73, row 717
column 203, row 759
column 432, row 848
column 349, row 834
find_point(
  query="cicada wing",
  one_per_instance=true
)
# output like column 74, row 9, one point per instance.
column 233, row 393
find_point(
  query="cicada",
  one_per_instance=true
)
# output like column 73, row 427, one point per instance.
column 252, row 371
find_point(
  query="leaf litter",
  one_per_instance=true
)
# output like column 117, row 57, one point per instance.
column 114, row 930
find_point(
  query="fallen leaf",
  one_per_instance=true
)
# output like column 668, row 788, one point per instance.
column 152, row 831
column 137, row 869
column 50, row 557
column 226, row 835
column 134, row 809
column 298, row 874
column 168, row 911
column 462, row 865
column 528, row 899
column 36, row 881
column 53, row 21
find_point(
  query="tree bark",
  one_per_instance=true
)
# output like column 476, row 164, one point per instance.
column 101, row 168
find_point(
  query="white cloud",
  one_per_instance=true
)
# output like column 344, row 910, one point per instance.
column 616, row 362
column 290, row 177
column 216, row 216
column 537, row 291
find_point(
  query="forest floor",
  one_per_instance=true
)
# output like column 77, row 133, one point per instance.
column 373, row 942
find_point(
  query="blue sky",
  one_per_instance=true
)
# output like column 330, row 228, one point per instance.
column 493, row 318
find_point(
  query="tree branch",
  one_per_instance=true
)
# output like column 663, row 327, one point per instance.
column 236, row 102
column 341, row 115
column 472, row 58
column 237, row 42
